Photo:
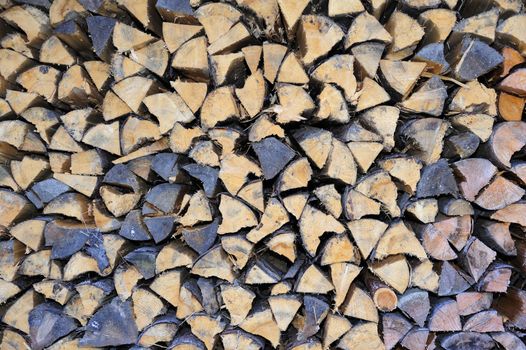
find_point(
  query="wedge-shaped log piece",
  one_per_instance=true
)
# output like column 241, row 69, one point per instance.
column 468, row 339
column 433, row 56
column 339, row 249
column 154, row 57
column 161, row 330
column 399, row 239
column 362, row 336
column 284, row 308
column 17, row 313
column 218, row 106
column 273, row 155
column 340, row 163
column 368, row 56
column 12, row 63
column 311, row 228
column 261, row 323
column 500, row 193
column 366, row 233
column 32, row 21
column 239, row 248
column 167, row 285
column 394, row 271
column 343, row 8
column 415, row 338
column 317, row 35
column 292, row 71
column 481, row 26
column 126, row 38
column 235, row 170
column 415, row 303
column 173, row 255
column 508, row 341
column 42, row 335
column 77, row 89
column 395, row 327
column 237, row 37
column 509, row 31
column 332, row 105
column 472, row 302
column 472, row 58
column 506, row 139
column 54, row 51
column 474, row 97
column 511, row 107
column 393, row 71
column 424, row 277
column 365, row 153
column 201, row 238
column 28, row 170
column 476, row 257
column 295, row 203
column 484, row 322
column 426, row 138
column 217, row 19
column 73, row 205
column 496, row 235
column 228, row 68
column 42, row 80
column 291, row 12
column 273, row 55
column 404, row 169
column 366, row 27
column 330, row 199
column 312, row 280
column 193, row 93
column 437, row 179
column 273, row 218
column 295, row 104
column 252, row 56
column 371, row 94
column 382, row 120
column 133, row 90
column 214, row 263
column 29, row 232
column 315, row 310
column 338, row 69
column 206, row 328
column 191, row 59
column 342, row 276
column 238, row 339
column 444, row 317
column 252, row 94
column 169, row 108
column 452, row 280
column 359, row 304
column 406, row 34
column 474, row 174
column 238, row 302
column 112, row 325
column 176, row 34
column 236, row 215
column 428, row 99
column 357, row 205
column 380, row 187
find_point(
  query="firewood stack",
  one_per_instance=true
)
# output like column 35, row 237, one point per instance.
column 258, row 174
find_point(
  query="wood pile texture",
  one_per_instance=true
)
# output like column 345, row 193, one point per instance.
column 259, row 174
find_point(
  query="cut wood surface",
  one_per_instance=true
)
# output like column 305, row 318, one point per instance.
column 262, row 174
